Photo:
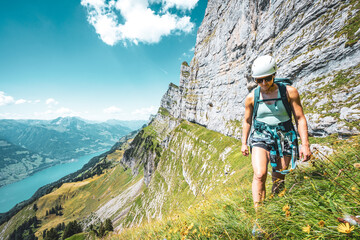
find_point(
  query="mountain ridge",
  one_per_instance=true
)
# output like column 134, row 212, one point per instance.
column 187, row 161
column 57, row 140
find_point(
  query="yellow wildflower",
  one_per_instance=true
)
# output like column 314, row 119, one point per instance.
column 286, row 208
column 321, row 223
column 195, row 230
column 271, row 196
column 345, row 228
column 307, row 229
column 306, row 177
column 354, row 188
column 277, row 180
column 287, row 213
column 282, row 193
column 191, row 226
column 213, row 218
column 357, row 165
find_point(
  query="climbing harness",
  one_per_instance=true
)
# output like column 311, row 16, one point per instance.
column 282, row 137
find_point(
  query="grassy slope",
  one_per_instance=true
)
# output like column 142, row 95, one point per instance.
column 197, row 162
column 78, row 199
column 202, row 190
column 317, row 195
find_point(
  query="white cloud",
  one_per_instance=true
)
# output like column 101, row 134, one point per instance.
column 144, row 113
column 141, row 24
column 51, row 101
column 5, row 100
column 20, row 101
column 180, row 4
column 112, row 110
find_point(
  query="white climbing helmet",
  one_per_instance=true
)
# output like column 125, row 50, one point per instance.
column 263, row 66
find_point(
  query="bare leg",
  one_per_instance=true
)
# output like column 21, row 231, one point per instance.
column 260, row 159
column 278, row 178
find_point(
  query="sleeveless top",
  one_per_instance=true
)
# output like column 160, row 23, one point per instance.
column 272, row 114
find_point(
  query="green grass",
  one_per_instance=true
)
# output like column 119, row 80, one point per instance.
column 193, row 164
column 342, row 81
column 316, row 196
column 352, row 25
column 79, row 236
column 326, row 191
column 201, row 189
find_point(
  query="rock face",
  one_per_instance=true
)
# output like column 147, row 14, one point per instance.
column 314, row 42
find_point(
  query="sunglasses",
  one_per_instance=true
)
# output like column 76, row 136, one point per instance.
column 267, row 79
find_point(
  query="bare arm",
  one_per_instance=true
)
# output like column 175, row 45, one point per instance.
column 249, row 107
column 294, row 99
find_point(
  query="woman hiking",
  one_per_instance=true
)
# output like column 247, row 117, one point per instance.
column 269, row 125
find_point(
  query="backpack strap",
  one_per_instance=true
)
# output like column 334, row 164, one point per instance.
column 256, row 102
column 284, row 99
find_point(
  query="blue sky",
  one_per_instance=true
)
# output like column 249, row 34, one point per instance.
column 96, row 59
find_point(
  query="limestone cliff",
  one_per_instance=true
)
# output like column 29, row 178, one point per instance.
column 316, row 43
column 313, row 44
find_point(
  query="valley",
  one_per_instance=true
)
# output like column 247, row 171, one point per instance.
column 28, row 146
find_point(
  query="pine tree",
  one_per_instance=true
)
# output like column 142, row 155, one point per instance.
column 101, row 230
column 35, row 221
column 71, row 229
column 52, row 235
column 108, row 225
column 35, row 207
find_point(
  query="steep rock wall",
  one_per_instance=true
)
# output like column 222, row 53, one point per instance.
column 312, row 41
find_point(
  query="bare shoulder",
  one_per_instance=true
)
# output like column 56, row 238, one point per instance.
column 292, row 92
column 249, row 100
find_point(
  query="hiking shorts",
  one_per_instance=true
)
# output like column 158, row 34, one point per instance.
column 269, row 144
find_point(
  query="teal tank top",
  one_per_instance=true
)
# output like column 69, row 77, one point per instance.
column 272, row 114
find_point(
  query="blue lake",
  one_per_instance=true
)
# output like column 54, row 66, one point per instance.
column 22, row 190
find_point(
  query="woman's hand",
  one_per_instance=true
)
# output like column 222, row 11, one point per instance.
column 245, row 150
column 305, row 153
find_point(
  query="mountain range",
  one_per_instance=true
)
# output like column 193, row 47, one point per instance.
column 28, row 146
column 183, row 175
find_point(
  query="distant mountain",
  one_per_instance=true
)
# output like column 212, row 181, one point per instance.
column 17, row 162
column 57, row 140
